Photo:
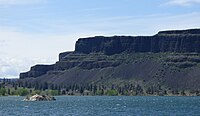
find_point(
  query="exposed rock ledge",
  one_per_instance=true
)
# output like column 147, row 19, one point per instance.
column 39, row 98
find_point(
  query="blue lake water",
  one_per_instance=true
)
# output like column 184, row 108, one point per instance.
column 102, row 106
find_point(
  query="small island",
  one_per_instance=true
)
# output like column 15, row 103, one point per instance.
column 37, row 97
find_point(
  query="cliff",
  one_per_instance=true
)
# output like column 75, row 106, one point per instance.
column 159, row 59
column 37, row 71
column 164, row 41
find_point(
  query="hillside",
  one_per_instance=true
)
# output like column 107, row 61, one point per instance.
column 169, row 60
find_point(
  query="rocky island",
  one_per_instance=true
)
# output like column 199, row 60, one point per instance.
column 37, row 97
column 167, row 63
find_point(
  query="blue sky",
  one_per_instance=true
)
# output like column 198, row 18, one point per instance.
column 36, row 31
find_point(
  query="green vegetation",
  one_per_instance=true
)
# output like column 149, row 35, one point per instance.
column 3, row 91
column 8, row 88
column 112, row 93
column 11, row 91
column 126, row 89
column 22, row 92
column 26, row 91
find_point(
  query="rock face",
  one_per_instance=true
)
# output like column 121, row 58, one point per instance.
column 37, row 70
column 165, row 55
column 166, row 41
column 39, row 98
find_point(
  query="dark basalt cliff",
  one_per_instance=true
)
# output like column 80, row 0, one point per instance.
column 37, row 71
column 165, row 41
column 161, row 58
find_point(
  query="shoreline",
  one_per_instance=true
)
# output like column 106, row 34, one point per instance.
column 112, row 96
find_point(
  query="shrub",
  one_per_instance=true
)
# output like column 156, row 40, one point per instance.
column 2, row 91
column 112, row 93
column 22, row 92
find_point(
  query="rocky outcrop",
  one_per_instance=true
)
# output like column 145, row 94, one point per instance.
column 39, row 98
column 37, row 70
column 63, row 55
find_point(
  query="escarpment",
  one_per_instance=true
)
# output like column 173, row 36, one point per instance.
column 161, row 58
column 165, row 41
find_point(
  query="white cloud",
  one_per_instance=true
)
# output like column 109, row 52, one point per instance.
column 183, row 2
column 2, row 42
column 10, row 67
column 20, row 2
column 21, row 50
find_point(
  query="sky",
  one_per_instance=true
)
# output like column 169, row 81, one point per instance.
column 36, row 31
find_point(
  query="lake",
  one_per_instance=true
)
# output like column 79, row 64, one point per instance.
column 101, row 106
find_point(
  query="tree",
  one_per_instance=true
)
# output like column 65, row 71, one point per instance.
column 112, row 92
column 139, row 90
column 29, row 85
column 51, row 86
column 25, row 84
column 149, row 90
column 30, row 91
column 63, row 92
column 102, row 92
column 183, row 93
column 82, row 90
column 36, row 85
column 22, row 92
column 2, row 91
column 54, row 92
column 8, row 91
column 15, row 87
